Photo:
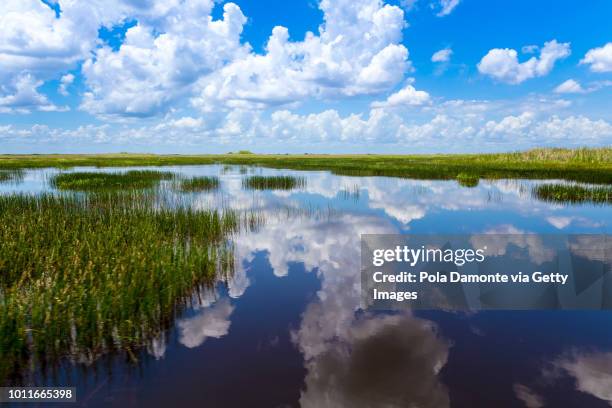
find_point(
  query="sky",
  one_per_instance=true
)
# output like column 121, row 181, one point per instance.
column 319, row 76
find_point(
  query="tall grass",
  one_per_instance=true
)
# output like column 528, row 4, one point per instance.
column 84, row 181
column 195, row 184
column 273, row 182
column 81, row 275
column 564, row 193
column 581, row 155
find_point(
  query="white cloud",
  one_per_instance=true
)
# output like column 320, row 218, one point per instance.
column 65, row 82
column 447, row 7
column 407, row 96
column 442, row 55
column 600, row 59
column 152, row 69
column 33, row 40
column 187, row 122
column 357, row 51
column 502, row 63
column 570, row 86
column 459, row 126
column 23, row 97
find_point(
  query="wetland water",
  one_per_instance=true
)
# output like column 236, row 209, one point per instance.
column 285, row 327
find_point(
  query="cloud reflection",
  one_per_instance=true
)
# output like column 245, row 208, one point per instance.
column 210, row 322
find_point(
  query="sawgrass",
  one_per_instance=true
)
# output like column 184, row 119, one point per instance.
column 575, row 194
column 95, row 181
column 195, row 184
column 273, row 182
column 82, row 275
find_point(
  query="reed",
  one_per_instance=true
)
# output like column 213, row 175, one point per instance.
column 87, row 182
column 195, row 184
column 82, row 275
column 573, row 193
column 273, row 182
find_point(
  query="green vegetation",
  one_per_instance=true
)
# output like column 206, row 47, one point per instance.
column 467, row 180
column 585, row 164
column 195, row 184
column 81, row 275
column 273, row 182
column 135, row 179
column 564, row 193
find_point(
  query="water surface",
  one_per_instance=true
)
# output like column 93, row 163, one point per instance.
column 286, row 328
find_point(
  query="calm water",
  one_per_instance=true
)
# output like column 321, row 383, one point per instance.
column 287, row 329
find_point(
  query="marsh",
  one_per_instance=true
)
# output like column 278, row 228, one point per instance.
column 279, row 318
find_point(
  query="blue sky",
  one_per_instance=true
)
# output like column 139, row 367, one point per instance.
column 196, row 76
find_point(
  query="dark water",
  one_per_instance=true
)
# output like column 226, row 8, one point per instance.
column 287, row 329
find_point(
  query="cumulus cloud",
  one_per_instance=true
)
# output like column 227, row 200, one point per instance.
column 447, row 7
column 24, row 97
column 569, row 86
column 599, row 59
column 574, row 87
column 65, row 82
column 357, row 51
column 442, row 55
column 503, row 65
column 457, row 126
column 407, row 96
column 152, row 69
column 34, row 40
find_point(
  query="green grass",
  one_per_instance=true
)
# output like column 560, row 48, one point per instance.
column 273, row 182
column 563, row 193
column 82, row 275
column 467, row 180
column 85, row 181
column 195, row 184
column 593, row 165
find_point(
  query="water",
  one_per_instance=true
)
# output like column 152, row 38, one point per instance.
column 287, row 330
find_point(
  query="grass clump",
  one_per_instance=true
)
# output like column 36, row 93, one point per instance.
column 467, row 180
column 81, row 275
column 572, row 193
column 84, row 181
column 195, row 184
column 273, row 182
